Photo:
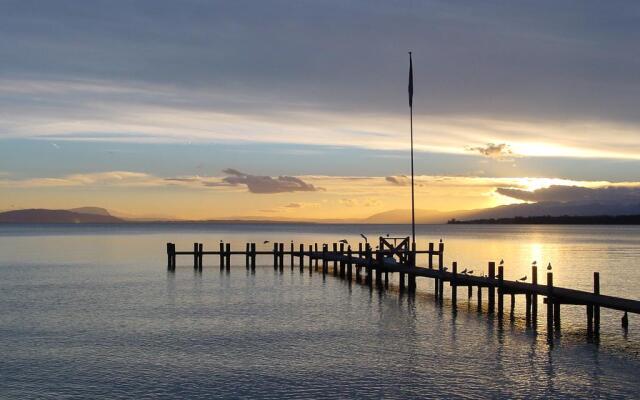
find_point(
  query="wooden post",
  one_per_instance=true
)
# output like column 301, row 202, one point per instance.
column 550, row 304
column 169, row 256
column 412, row 264
column 534, row 297
column 195, row 255
column 253, row 257
column 479, row 298
column 368, row 266
column 275, row 256
column 335, row 260
column 342, row 265
column 221, row 253
column 228, row 256
column 500, row 291
column 291, row 251
column 469, row 292
column 200, row 255
column 491, row 288
column 596, row 309
column 281, row 254
column 247, row 256
column 454, row 286
column 301, row 261
column 349, row 264
column 316, row 250
column 430, row 255
column 439, row 282
column 311, row 259
column 325, row 264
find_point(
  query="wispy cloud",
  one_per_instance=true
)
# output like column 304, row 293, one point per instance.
column 499, row 152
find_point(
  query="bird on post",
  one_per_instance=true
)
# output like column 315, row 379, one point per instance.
column 549, row 267
column 464, row 271
column 470, row 272
column 501, row 262
column 534, row 263
column 265, row 242
column 343, row 241
column 524, row 278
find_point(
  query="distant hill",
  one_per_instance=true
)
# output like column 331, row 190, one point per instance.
column 561, row 220
column 44, row 216
column 91, row 210
column 552, row 209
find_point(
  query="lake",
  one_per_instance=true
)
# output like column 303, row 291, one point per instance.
column 91, row 311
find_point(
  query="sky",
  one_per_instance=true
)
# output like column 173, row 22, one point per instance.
column 299, row 109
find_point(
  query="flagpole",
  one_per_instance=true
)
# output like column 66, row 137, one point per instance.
column 413, row 204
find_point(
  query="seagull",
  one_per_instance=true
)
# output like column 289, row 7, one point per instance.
column 387, row 235
column 470, row 272
column 501, row 262
column 440, row 240
column 464, row 271
column 265, row 242
column 343, row 241
column 534, row 263
column 549, row 267
column 524, row 278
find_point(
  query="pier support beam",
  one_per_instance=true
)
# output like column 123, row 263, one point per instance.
column 253, row 257
column 301, row 260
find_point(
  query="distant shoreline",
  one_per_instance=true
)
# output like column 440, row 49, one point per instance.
column 560, row 220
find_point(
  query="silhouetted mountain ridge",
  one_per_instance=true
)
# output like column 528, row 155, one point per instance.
column 45, row 216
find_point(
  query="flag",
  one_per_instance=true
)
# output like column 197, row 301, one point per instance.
column 410, row 81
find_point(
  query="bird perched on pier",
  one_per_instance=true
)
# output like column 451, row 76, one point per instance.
column 549, row 267
column 501, row 262
column 364, row 237
column 265, row 242
column 343, row 241
column 464, row 271
column 534, row 263
column 470, row 272
column 524, row 278
column 440, row 240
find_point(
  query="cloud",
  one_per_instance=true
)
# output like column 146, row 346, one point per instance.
column 499, row 152
column 560, row 193
column 400, row 180
column 268, row 184
column 293, row 205
column 368, row 202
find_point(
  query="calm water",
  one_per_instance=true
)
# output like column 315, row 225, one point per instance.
column 91, row 312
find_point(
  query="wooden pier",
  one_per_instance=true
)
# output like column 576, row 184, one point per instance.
column 373, row 266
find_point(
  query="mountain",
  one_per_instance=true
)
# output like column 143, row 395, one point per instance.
column 91, row 210
column 44, row 216
column 553, row 209
column 422, row 217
